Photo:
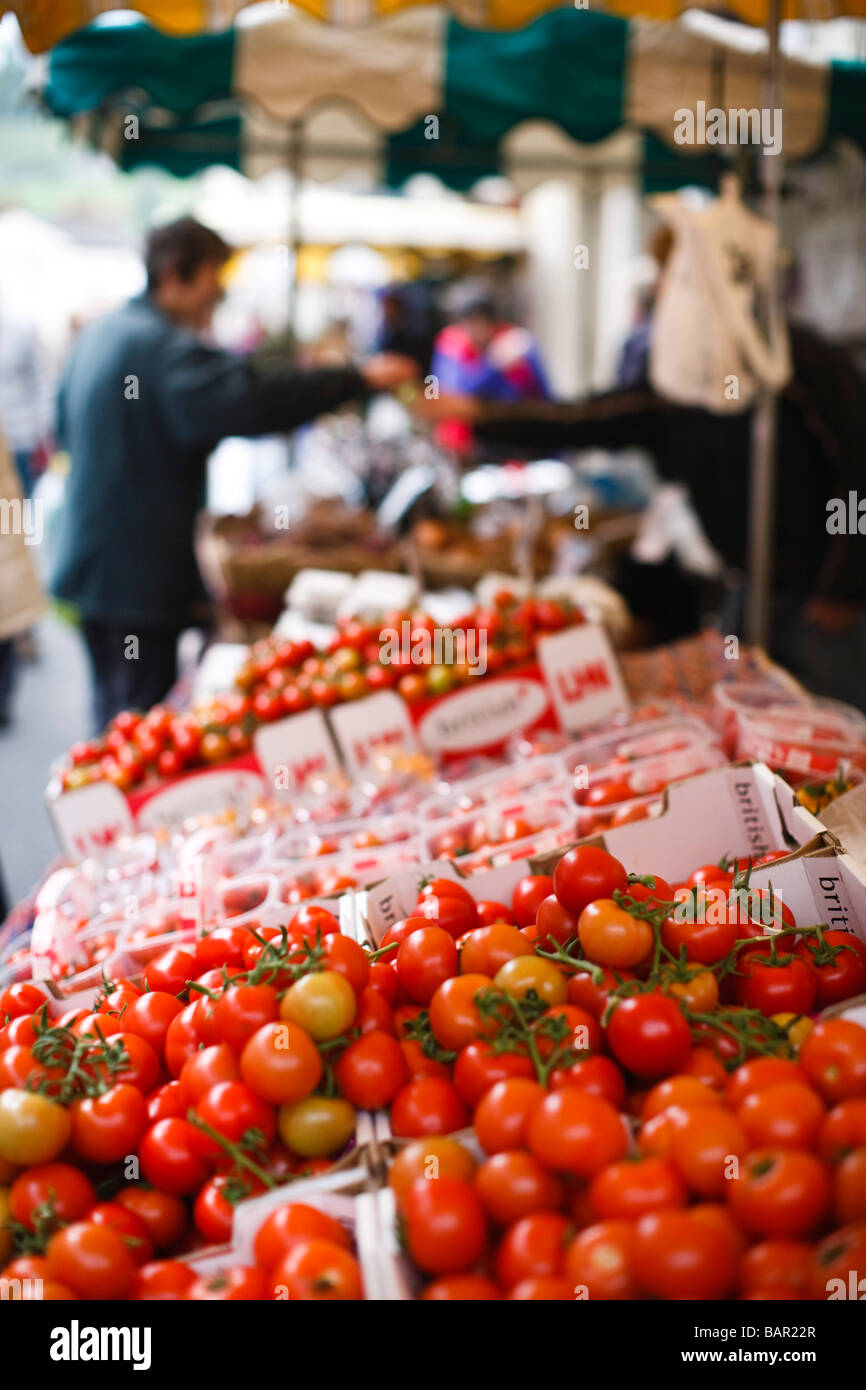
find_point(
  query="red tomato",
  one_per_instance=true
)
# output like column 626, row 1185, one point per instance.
column 513, row 1185
column 677, row 1256
column 107, row 1127
column 833, row 1056
column 490, row 912
column 163, row 1214
column 425, row 960
column 454, row 915
column 648, row 1035
column 427, row 1105
column 575, row 1132
column 127, row 1225
column 586, row 873
column 479, row 1066
column 775, row 989
column 838, row 963
column 92, row 1260
column 553, row 920
column 149, row 1016
column 169, row 1157
column 533, row 1247
column 598, row 1076
column 56, row 1186
column 232, row 1110
column 446, row 1229
column 631, row 1188
column 527, row 897
column 372, row 1070
column 171, row 970
column 780, row 1192
column 503, row 1113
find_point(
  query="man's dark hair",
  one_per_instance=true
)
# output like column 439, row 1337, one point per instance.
column 181, row 248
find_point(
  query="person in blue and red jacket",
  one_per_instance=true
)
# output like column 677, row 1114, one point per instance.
column 479, row 355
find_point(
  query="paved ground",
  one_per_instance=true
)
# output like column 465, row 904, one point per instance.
column 50, row 711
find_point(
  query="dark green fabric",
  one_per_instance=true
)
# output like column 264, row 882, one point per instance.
column 178, row 74
column 184, row 148
column 567, row 67
column 663, row 170
column 847, row 103
column 141, row 406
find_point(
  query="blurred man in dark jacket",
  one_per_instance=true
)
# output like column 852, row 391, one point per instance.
column 143, row 402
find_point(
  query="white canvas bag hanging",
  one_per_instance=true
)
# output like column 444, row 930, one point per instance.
column 707, row 348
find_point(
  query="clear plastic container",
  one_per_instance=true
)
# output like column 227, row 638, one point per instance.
column 636, row 742
column 343, row 837
column 803, row 747
column 508, row 829
column 604, row 794
column 508, row 784
column 339, row 873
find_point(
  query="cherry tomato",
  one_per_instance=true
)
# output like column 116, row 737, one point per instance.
column 430, row 1158
column 286, row 1225
column 55, row 1186
column 425, row 960
column 787, row 1115
column 503, row 1113
column 280, row 1063
column 631, row 1188
column 372, row 1070
column 92, row 1260
column 318, row 1270
column 586, row 873
column 648, row 1035
column 427, row 1105
column 527, row 897
column 833, row 1058
column 598, row 1261
column 611, row 936
column 107, row 1127
column 780, row 1192
column 676, row 1256
column 169, row 1157
column 533, row 1247
column 454, row 1014
column 573, row 1131
column 164, row 1215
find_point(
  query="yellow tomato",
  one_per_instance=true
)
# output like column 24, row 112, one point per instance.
column 317, row 1126
column 5, row 1235
column 524, row 973
column 797, row 1025
column 323, row 1004
column 33, row 1129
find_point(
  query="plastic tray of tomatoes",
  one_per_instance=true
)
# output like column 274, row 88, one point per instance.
column 635, row 743
column 619, row 793
column 804, row 742
column 511, row 783
column 343, row 837
column 502, row 831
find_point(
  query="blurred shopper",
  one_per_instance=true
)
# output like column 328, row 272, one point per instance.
column 479, row 355
column 819, row 600
column 21, row 599
column 143, row 402
column 405, row 325
column 25, row 398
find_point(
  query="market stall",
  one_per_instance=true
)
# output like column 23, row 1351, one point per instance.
column 508, row 904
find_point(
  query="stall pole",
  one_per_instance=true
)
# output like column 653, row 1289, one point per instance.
column 765, row 420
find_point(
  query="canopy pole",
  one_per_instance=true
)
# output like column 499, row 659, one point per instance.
column 765, row 420
column 295, row 165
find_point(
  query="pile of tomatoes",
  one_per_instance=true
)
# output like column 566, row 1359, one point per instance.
column 282, row 677
column 658, row 1116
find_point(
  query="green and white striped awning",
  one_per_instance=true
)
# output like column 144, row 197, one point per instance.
column 421, row 90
